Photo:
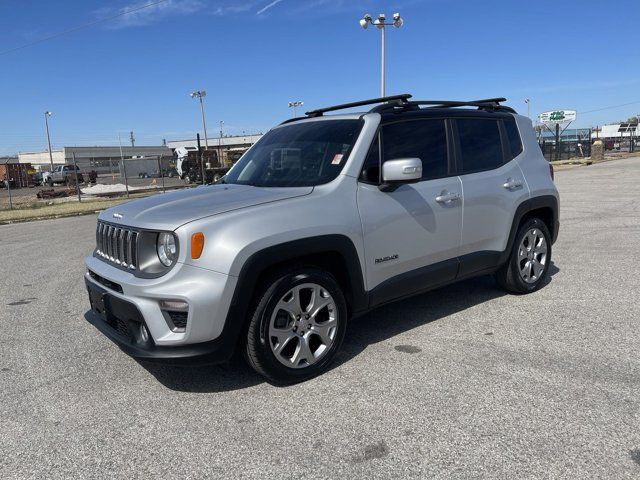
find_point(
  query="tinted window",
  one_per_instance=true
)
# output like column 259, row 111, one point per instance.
column 299, row 154
column 480, row 145
column 514, row 137
column 423, row 139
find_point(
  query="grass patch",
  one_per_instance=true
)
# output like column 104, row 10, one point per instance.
column 40, row 211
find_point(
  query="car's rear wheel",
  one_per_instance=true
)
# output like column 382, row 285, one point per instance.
column 530, row 258
column 297, row 326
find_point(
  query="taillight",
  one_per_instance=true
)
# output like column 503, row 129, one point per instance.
column 551, row 172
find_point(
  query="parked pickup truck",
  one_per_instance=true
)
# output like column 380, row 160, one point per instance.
column 63, row 174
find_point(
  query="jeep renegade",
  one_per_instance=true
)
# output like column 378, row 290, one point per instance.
column 325, row 218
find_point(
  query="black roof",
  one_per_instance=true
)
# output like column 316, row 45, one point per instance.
column 8, row 160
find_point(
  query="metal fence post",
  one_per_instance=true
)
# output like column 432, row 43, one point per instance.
column 160, row 171
column 126, row 182
column 9, row 189
column 75, row 169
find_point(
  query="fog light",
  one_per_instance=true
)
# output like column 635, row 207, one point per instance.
column 144, row 333
column 174, row 305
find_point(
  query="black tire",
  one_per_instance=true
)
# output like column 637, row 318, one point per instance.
column 50, row 182
column 257, row 349
column 509, row 276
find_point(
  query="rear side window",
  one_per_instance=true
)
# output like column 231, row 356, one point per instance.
column 513, row 135
column 480, row 144
column 423, row 139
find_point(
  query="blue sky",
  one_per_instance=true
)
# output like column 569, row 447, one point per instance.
column 253, row 56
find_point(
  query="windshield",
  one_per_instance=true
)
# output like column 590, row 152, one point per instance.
column 297, row 155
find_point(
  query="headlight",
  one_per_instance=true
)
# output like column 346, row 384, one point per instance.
column 167, row 249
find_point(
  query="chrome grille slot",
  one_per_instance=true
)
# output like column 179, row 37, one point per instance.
column 117, row 245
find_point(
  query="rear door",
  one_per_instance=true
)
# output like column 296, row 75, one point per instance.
column 411, row 234
column 493, row 186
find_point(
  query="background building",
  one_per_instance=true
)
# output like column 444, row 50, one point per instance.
column 100, row 159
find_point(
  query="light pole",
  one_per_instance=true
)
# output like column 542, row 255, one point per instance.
column 46, row 123
column 528, row 102
column 200, row 94
column 294, row 105
column 220, row 145
column 381, row 24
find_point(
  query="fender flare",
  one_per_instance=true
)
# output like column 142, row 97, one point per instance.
column 261, row 260
column 534, row 203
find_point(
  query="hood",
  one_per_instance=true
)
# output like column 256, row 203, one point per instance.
column 168, row 211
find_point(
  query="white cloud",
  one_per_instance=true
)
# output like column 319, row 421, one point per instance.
column 267, row 7
column 154, row 13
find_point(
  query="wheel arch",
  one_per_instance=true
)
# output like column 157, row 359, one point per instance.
column 545, row 208
column 334, row 253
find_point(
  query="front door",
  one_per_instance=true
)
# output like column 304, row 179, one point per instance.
column 411, row 234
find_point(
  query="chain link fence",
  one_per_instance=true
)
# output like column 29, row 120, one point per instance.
column 87, row 179
column 575, row 145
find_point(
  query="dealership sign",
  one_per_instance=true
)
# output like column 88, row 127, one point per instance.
column 558, row 116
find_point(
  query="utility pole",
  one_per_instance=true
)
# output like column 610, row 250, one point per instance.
column 200, row 157
column 124, row 167
column 220, row 145
column 46, row 122
column 528, row 102
column 133, row 139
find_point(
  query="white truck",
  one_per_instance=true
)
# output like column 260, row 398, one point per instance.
column 190, row 169
column 65, row 174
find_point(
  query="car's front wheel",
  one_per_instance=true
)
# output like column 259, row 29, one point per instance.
column 297, row 326
column 529, row 260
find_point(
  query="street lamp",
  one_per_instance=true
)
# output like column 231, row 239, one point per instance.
column 47, row 114
column 528, row 102
column 294, row 105
column 200, row 94
column 381, row 23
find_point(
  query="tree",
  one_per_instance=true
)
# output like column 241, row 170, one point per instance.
column 632, row 120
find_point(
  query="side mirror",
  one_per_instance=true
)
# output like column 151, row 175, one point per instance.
column 400, row 171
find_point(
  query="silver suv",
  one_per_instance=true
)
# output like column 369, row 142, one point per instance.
column 324, row 219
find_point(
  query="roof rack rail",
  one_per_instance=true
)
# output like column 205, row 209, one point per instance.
column 395, row 100
column 484, row 104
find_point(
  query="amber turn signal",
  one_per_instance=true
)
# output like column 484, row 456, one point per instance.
column 197, row 245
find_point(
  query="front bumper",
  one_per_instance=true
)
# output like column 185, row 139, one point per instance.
column 121, row 322
column 126, row 302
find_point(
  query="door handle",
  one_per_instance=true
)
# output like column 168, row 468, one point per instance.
column 511, row 184
column 447, row 197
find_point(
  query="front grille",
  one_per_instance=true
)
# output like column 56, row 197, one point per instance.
column 118, row 245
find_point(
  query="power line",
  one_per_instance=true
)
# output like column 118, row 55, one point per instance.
column 609, row 107
column 80, row 27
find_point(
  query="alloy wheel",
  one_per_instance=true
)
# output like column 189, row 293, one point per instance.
column 532, row 255
column 303, row 325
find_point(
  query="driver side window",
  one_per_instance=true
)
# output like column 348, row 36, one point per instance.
column 424, row 139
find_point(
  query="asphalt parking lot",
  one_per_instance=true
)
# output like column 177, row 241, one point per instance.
column 461, row 382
